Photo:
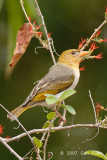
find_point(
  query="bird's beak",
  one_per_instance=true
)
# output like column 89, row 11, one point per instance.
column 83, row 53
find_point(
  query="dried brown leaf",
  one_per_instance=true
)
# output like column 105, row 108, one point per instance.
column 23, row 39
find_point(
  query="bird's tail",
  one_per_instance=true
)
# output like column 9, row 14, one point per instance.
column 17, row 112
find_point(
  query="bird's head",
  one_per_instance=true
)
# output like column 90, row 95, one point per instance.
column 72, row 57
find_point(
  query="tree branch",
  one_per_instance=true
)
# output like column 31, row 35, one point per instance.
column 90, row 39
column 46, row 141
column 45, row 29
column 64, row 116
column 25, row 156
column 10, row 149
column 93, row 107
column 24, row 130
column 54, row 129
column 21, row 2
column 103, row 121
column 48, row 47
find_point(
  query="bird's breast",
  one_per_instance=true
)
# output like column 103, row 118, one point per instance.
column 76, row 78
column 76, row 73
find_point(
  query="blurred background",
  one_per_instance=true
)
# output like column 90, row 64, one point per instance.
column 68, row 21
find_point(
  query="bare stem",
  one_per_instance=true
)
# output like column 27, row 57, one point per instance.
column 64, row 116
column 28, row 153
column 90, row 139
column 93, row 107
column 43, row 23
column 40, row 40
column 10, row 149
column 43, row 137
column 103, row 121
column 54, row 129
column 21, row 2
column 46, row 141
column 24, row 130
column 96, row 30
column 45, row 29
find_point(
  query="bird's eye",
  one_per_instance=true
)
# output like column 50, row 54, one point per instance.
column 73, row 52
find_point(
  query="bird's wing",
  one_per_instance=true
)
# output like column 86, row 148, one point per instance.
column 59, row 78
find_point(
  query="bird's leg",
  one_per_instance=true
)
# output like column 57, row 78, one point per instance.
column 63, row 119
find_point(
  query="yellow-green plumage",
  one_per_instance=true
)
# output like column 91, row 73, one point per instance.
column 59, row 78
column 17, row 112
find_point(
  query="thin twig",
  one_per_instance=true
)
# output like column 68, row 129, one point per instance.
column 45, row 29
column 50, row 156
column 46, row 141
column 28, row 153
column 45, row 144
column 10, row 149
column 23, row 129
column 48, row 47
column 54, row 50
column 90, row 139
column 54, row 129
column 39, row 47
column 43, row 137
column 44, row 133
column 96, row 30
column 103, row 121
column 40, row 40
column 64, row 116
column 21, row 2
column 93, row 107
column 96, row 121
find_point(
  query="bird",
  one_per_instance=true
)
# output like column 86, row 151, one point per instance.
column 62, row 76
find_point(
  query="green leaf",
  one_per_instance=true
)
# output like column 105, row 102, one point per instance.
column 37, row 142
column 51, row 115
column 66, row 94
column 50, row 99
column 69, row 109
column 48, row 95
column 96, row 153
column 47, row 124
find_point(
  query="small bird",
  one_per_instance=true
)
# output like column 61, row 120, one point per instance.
column 62, row 76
